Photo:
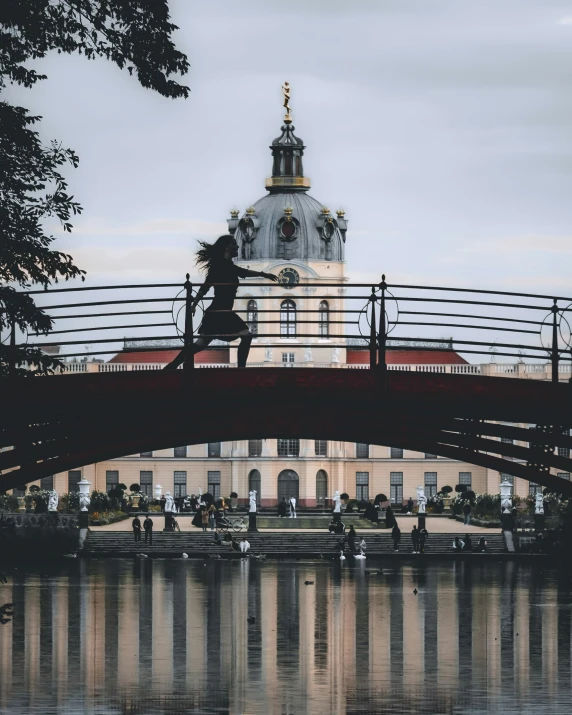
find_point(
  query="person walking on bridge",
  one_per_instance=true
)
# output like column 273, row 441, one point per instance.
column 219, row 321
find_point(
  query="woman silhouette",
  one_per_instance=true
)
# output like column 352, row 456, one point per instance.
column 218, row 320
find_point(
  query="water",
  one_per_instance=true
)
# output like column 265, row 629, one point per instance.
column 171, row 636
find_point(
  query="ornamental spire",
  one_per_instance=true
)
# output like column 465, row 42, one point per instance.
column 287, row 152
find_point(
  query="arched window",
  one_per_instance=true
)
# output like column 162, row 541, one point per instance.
column 254, row 482
column 288, row 485
column 321, row 488
column 324, row 320
column 252, row 316
column 288, row 318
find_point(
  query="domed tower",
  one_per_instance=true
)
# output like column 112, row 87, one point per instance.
column 291, row 234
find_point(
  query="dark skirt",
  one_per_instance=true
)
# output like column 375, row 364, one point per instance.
column 222, row 326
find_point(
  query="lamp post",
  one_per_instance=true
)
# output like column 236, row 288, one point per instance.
column 84, row 486
column 506, row 505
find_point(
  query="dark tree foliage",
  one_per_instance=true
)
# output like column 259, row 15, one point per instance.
column 134, row 34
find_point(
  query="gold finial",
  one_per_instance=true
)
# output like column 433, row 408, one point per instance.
column 250, row 210
column 234, row 213
column 286, row 93
column 341, row 213
column 288, row 211
column 325, row 210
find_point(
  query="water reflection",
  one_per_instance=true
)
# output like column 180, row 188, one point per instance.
column 173, row 636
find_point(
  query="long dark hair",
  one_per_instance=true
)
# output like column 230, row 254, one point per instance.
column 211, row 253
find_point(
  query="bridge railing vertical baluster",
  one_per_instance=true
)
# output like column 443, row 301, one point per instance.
column 382, row 337
column 189, row 360
column 372, row 332
column 555, row 341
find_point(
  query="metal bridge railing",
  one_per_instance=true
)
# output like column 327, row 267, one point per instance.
column 95, row 321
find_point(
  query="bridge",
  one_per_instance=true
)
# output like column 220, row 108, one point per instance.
column 55, row 423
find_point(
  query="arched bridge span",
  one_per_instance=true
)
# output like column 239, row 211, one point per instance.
column 57, row 423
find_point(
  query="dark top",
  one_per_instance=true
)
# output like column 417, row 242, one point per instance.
column 224, row 272
column 415, row 534
column 466, row 508
column 136, row 524
column 148, row 524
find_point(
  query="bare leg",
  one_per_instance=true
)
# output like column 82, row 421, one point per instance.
column 200, row 344
column 244, row 347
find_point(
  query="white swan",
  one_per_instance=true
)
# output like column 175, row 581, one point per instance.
column 342, row 557
column 185, row 556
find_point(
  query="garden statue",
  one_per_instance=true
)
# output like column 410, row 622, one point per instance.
column 539, row 504
column 307, row 354
column 252, row 500
column 169, row 503
column 421, row 500
column 336, row 355
column 337, row 503
column 268, row 355
column 53, row 501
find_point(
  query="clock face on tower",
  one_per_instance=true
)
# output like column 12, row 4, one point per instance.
column 288, row 276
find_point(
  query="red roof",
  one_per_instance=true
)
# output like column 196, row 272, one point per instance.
column 212, row 357
column 408, row 357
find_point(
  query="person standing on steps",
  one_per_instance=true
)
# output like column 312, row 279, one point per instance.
column 136, row 526
column 219, row 320
column 396, row 536
column 423, row 534
column 415, row 537
column 292, row 507
column 148, row 526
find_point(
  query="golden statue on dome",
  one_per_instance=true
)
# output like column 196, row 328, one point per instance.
column 286, row 93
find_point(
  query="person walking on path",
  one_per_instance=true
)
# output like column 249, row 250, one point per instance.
column 205, row 518
column 390, row 520
column 467, row 513
column 423, row 534
column 292, row 507
column 415, row 539
column 396, row 536
column 136, row 526
column 148, row 526
column 212, row 516
column 219, row 321
column 410, row 505
column 282, row 508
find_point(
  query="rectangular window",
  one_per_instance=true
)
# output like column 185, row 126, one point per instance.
column 180, row 451
column 146, row 454
column 362, row 450
column 288, row 447
column 47, row 483
column 180, row 484
column 111, row 480
column 254, row 447
column 564, row 452
column 507, row 478
column 396, row 453
column 214, row 484
column 287, row 359
column 74, row 478
column 321, row 447
column 214, row 449
column 430, row 484
column 362, row 486
column 146, row 483
column 428, row 455
column 564, row 475
column 533, row 489
column 466, row 478
column 396, row 487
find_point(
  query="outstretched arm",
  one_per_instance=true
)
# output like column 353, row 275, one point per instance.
column 245, row 273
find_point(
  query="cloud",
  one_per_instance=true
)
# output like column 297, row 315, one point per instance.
column 565, row 20
column 522, row 244
column 149, row 226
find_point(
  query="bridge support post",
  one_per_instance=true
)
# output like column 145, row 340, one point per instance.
column 189, row 357
column 382, row 337
column 252, row 521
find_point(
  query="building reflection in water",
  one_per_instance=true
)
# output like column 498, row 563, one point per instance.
column 173, row 636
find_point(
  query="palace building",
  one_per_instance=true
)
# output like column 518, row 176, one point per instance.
column 291, row 234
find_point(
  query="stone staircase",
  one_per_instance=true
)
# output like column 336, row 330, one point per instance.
column 274, row 545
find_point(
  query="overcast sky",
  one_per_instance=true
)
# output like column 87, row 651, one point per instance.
column 442, row 127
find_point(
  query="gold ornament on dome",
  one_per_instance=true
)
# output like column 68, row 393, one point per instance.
column 325, row 210
column 234, row 213
column 341, row 213
column 288, row 211
column 286, row 93
column 250, row 210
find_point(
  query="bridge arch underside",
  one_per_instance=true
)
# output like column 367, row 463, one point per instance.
column 59, row 423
